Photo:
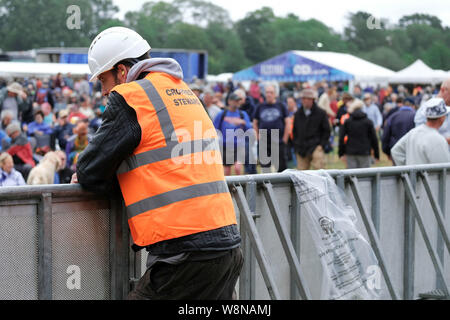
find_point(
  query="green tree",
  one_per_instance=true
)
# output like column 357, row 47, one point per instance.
column 154, row 21
column 364, row 32
column 202, row 13
column 226, row 53
column 420, row 18
column 256, row 33
column 386, row 57
column 30, row 24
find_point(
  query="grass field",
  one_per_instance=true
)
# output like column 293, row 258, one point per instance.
column 333, row 161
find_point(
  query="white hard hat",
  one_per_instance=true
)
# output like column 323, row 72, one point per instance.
column 114, row 45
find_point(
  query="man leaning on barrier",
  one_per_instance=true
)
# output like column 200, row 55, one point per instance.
column 179, row 211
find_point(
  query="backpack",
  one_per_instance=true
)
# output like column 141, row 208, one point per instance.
column 241, row 114
column 41, row 96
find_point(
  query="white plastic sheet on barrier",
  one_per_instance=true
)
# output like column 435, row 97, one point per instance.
column 351, row 270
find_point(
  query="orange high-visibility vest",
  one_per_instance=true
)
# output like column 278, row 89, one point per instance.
column 173, row 184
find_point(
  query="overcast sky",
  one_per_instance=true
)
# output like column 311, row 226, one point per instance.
column 332, row 13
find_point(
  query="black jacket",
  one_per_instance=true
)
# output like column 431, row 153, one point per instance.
column 311, row 131
column 361, row 136
column 117, row 137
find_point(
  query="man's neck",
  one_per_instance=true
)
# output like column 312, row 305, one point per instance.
column 433, row 125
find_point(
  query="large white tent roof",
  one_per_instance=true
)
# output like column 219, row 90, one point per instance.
column 419, row 72
column 28, row 69
column 363, row 71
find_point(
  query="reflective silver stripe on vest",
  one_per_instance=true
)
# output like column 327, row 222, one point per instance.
column 161, row 110
column 164, row 153
column 172, row 148
column 164, row 199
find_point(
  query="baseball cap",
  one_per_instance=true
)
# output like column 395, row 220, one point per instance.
column 233, row 96
column 436, row 108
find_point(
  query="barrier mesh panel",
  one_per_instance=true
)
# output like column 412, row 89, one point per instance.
column 80, row 244
column 18, row 253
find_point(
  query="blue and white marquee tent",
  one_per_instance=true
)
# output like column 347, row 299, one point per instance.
column 302, row 66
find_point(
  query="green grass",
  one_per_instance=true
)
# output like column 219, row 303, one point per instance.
column 333, row 161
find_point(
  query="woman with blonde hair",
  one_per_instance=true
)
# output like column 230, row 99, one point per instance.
column 8, row 175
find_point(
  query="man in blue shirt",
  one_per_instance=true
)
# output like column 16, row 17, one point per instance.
column 271, row 124
column 233, row 127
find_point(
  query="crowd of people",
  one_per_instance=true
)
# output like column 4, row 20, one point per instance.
column 295, row 125
column 50, row 118
column 272, row 126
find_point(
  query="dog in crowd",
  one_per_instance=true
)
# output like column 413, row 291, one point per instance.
column 44, row 172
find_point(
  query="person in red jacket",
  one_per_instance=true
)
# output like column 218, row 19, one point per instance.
column 20, row 149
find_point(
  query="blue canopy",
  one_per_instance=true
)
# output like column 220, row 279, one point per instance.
column 291, row 67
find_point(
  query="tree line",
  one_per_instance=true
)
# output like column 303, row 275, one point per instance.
column 231, row 46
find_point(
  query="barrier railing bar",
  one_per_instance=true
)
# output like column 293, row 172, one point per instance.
column 443, row 204
column 283, row 233
column 255, row 241
column 247, row 277
column 295, row 215
column 433, row 255
column 45, row 247
column 360, row 173
column 409, row 246
column 118, row 248
column 436, row 210
column 376, row 198
column 372, row 236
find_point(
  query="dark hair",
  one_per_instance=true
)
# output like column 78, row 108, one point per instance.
column 130, row 62
column 39, row 112
column 400, row 100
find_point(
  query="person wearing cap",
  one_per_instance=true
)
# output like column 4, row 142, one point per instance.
column 311, row 133
column 158, row 149
column 14, row 99
column 246, row 104
column 228, row 122
column 444, row 93
column 424, row 144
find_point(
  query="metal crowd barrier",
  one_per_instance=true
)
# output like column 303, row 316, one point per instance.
column 60, row 242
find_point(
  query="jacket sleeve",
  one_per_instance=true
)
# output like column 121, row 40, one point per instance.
column 398, row 151
column 116, row 139
column 386, row 138
column 325, row 136
column 374, row 141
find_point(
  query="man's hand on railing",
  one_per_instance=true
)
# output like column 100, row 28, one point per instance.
column 74, row 179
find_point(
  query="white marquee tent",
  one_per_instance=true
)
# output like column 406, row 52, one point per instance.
column 28, row 69
column 419, row 72
column 362, row 70
column 300, row 65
